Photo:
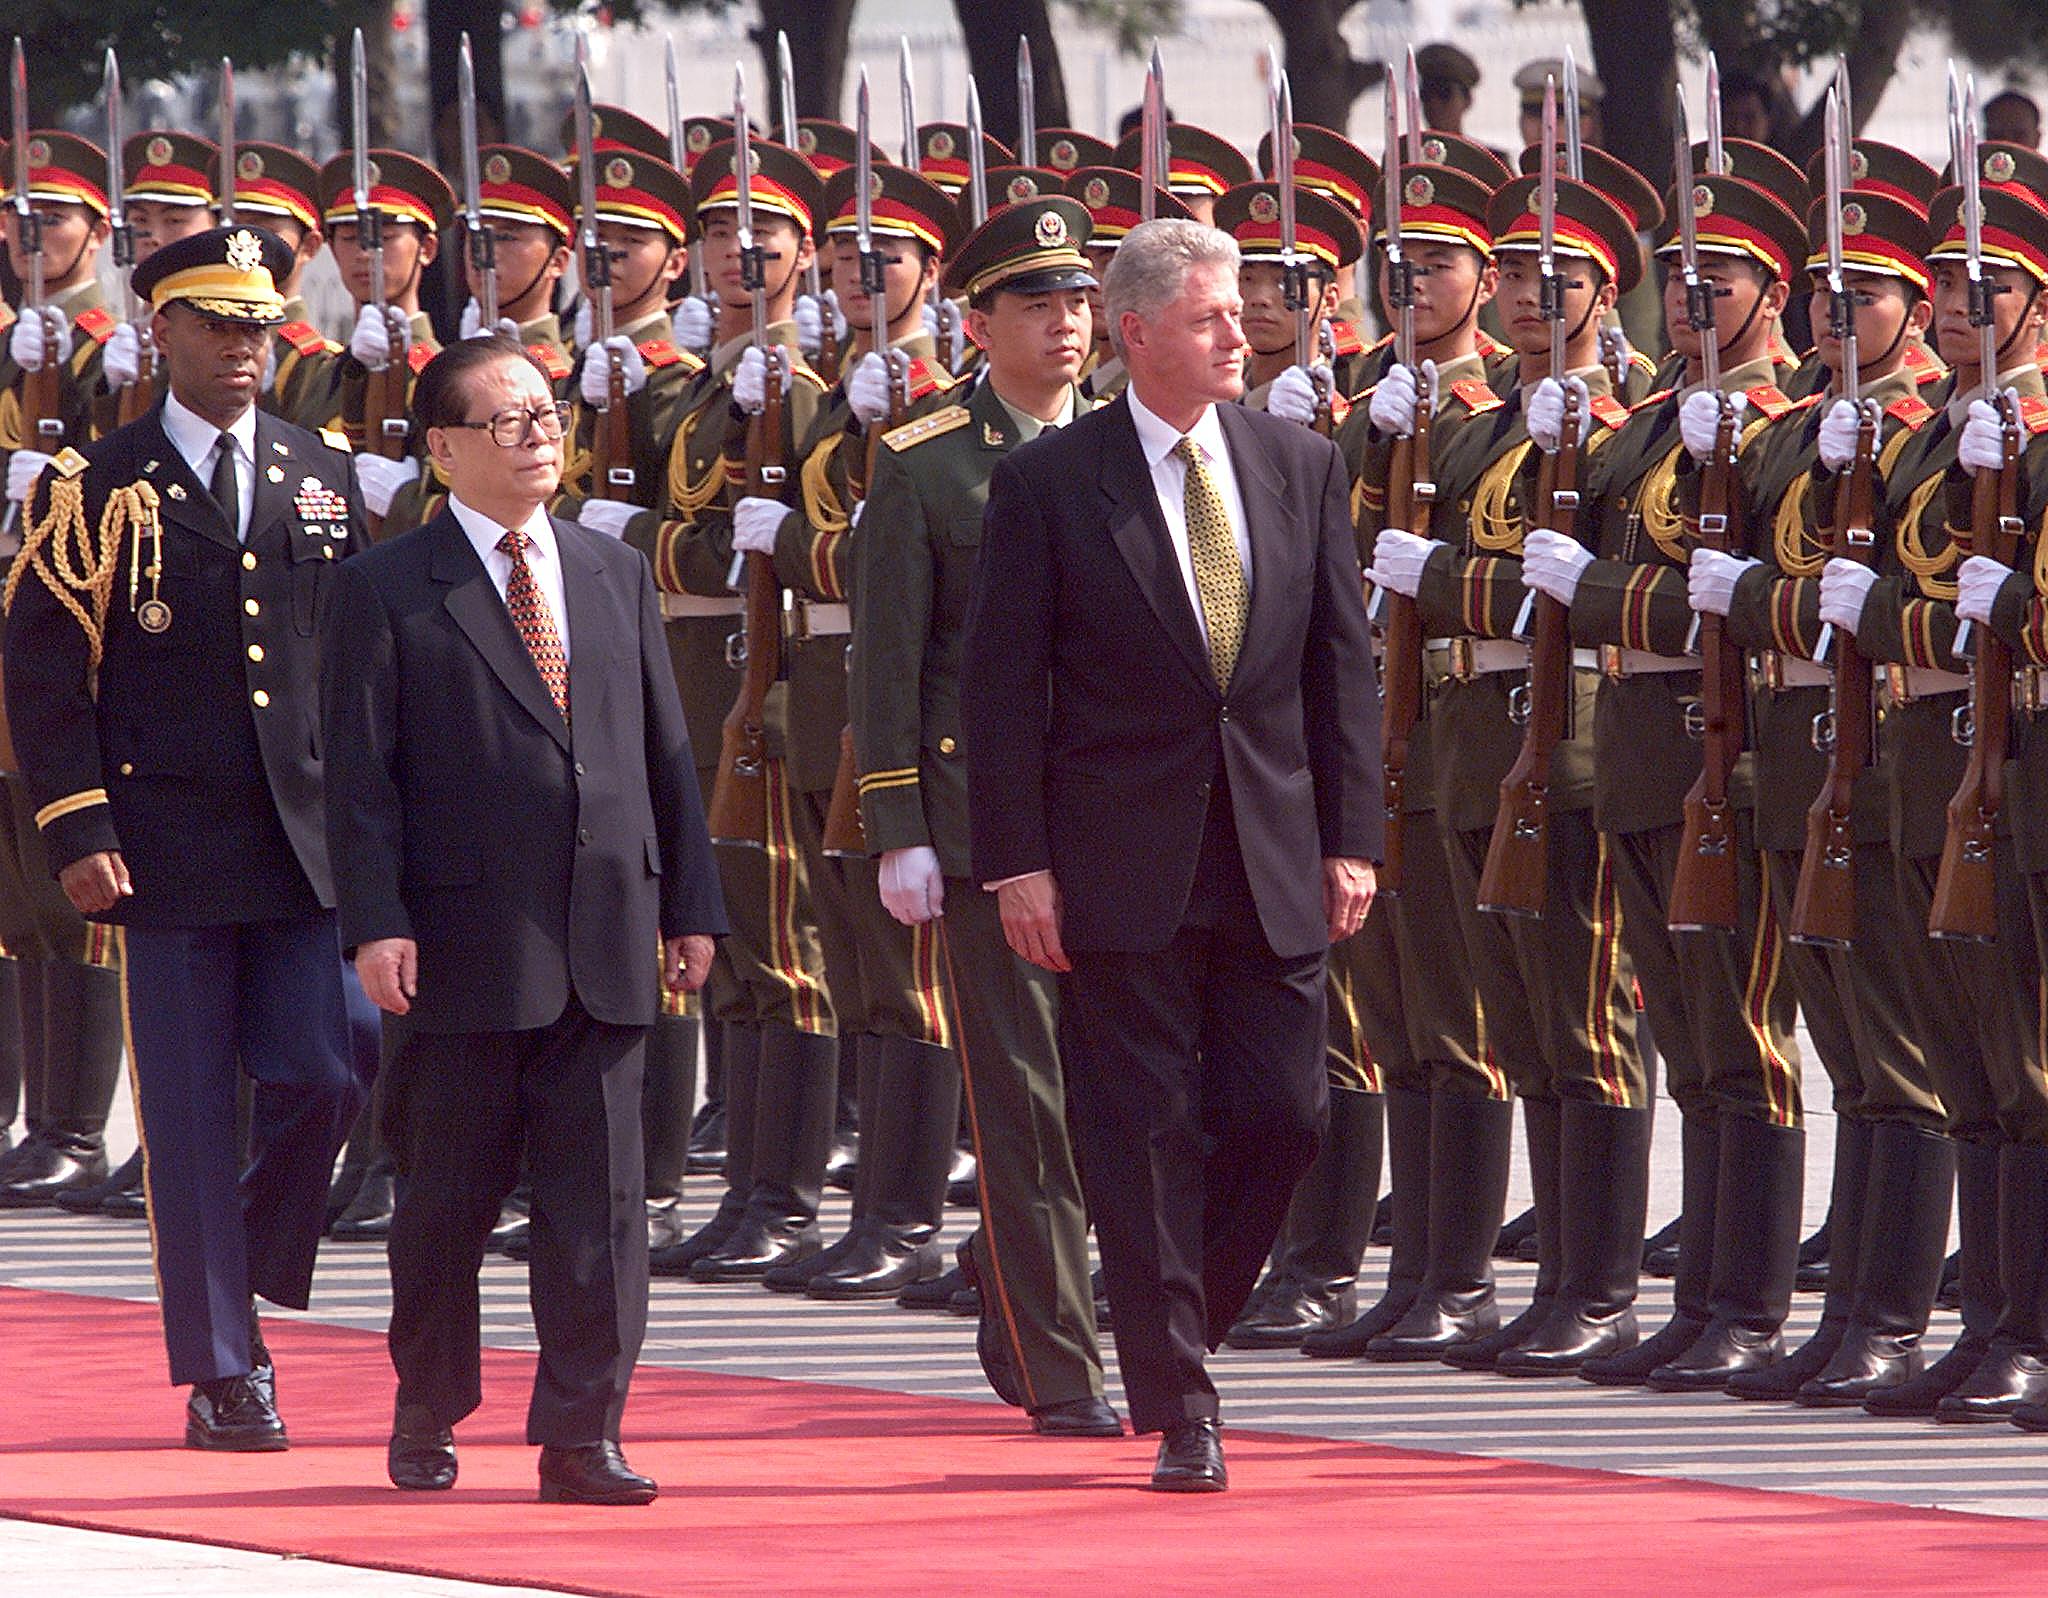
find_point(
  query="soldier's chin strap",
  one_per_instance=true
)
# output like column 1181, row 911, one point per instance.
column 531, row 284
column 83, row 245
column 1898, row 338
column 2019, row 329
column 1723, row 346
column 1592, row 310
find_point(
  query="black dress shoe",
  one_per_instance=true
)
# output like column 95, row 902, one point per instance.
column 1567, row 1339
column 1431, row 1328
column 1383, row 1222
column 368, row 1216
column 595, row 1473
column 1513, row 1234
column 1289, row 1314
column 1917, row 1398
column 52, row 1166
column 126, row 1204
column 1351, row 1340
column 1190, row 1459
column 991, row 1346
column 421, row 1457
column 1780, row 1383
column 707, row 1142
column 1077, row 1417
column 126, row 1178
column 514, row 1241
column 2007, row 1378
column 843, row 1163
column 880, row 1265
column 1720, row 1353
column 794, row 1275
column 262, row 1369
column 936, row 1294
column 664, row 1223
column 2030, row 1417
column 1866, row 1363
column 1950, row 1294
column 677, row 1258
column 1482, row 1353
column 1812, row 1276
column 965, row 1303
column 230, row 1415
column 1632, row 1367
column 1660, row 1251
column 755, row 1248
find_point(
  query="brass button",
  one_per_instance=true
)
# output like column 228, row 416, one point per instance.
column 252, row 607
column 256, row 652
column 260, row 698
column 248, row 560
column 947, row 746
column 127, row 768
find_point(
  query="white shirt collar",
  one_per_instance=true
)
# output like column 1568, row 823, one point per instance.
column 484, row 534
column 1158, row 438
column 193, row 436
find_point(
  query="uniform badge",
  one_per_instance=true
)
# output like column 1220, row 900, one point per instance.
column 991, row 434
column 1434, row 151
column 316, row 502
column 1854, row 218
column 874, row 185
column 1063, row 155
column 807, row 142
column 373, row 172
column 618, row 172
column 1859, row 166
column 940, row 145
column 38, row 152
column 1702, row 199
column 1999, row 166
column 698, row 139
column 1419, row 191
column 176, row 490
column 149, row 466
column 1265, row 208
column 279, row 448
column 497, row 167
column 153, row 615
column 1022, row 187
column 158, row 151
column 245, row 251
column 274, row 472
column 1050, row 230
column 249, row 164
column 1096, row 193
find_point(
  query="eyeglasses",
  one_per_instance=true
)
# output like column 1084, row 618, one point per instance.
column 510, row 428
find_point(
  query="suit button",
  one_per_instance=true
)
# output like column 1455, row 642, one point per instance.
column 579, row 768
column 947, row 746
column 127, row 768
column 583, row 835
column 256, row 652
column 259, row 698
column 248, row 560
column 250, row 607
column 1223, row 714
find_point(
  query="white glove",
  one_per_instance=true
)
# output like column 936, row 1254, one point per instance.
column 750, row 381
column 607, row 516
column 1398, row 558
column 953, row 331
column 1394, row 400
column 692, row 324
column 585, row 324
column 1978, row 581
column 913, row 890
column 1699, row 420
column 1546, row 411
column 755, row 522
column 382, row 479
column 867, row 388
column 1982, row 446
column 472, row 319
column 1844, row 588
column 122, row 358
column 597, row 369
column 1710, row 585
column 24, row 466
column 1296, row 392
column 269, row 365
column 1553, row 564
column 26, row 342
column 931, row 320
column 1838, row 431
column 810, row 324
column 840, row 326
column 380, row 337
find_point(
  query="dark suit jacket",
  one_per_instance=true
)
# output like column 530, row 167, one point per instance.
column 527, row 859
column 196, row 752
column 1095, row 731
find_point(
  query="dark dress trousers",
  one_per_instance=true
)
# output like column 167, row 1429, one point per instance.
column 1186, row 827
column 194, row 750
column 536, row 863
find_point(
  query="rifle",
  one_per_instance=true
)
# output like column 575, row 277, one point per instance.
column 612, row 474
column 1299, row 285
column 1705, row 887
column 1965, row 903
column 42, row 389
column 383, row 419
column 1516, row 876
column 678, row 155
column 1027, row 105
column 481, row 241
column 139, row 395
column 739, row 798
column 1154, row 163
column 814, row 283
column 1410, row 494
column 1824, row 906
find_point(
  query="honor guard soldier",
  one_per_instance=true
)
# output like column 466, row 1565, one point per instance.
column 1716, row 999
column 886, row 988
column 279, row 189
column 1114, row 200
column 1448, row 1111
column 1886, row 169
column 1025, row 281
column 1200, row 165
column 1068, row 150
column 1331, row 165
column 1975, row 1004
column 169, row 195
column 768, row 989
column 162, row 622
column 1327, row 235
column 942, row 157
column 68, row 977
column 417, row 207
column 1555, row 986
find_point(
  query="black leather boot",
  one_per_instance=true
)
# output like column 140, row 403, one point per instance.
column 842, row 1164
column 1660, row 1249
column 1982, row 1298
column 1815, row 1257
column 1470, row 1140
column 1756, row 1255
column 1699, row 1179
column 794, row 1094
column 863, row 1052
column 82, row 1038
column 1905, row 1230
column 124, row 1181
column 667, row 1091
column 1313, row 1282
column 1544, row 1137
column 1407, row 1121
column 28, row 977
column 740, row 1051
column 1780, row 1383
column 707, row 1128
column 1606, row 1149
column 368, row 1216
column 2015, row 1370
column 11, row 1050
column 907, row 1149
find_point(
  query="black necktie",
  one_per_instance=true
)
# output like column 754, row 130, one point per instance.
column 226, row 492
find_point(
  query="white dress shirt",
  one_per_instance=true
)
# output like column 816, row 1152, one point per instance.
column 1158, row 440
column 541, row 554
column 199, row 442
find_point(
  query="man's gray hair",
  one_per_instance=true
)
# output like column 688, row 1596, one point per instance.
column 1151, row 267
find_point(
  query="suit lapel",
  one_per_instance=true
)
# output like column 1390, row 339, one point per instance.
column 1138, row 527
column 272, row 499
column 181, row 498
column 1266, row 522
column 591, row 629
column 472, row 600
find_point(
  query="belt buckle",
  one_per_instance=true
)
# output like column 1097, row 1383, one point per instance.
column 800, row 621
column 1611, row 662
column 1896, row 682
column 1773, row 670
column 1461, row 660
column 2026, row 689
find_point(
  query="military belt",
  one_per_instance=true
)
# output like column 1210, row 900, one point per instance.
column 675, row 605
column 825, row 621
column 1617, row 662
column 1908, row 683
column 1779, row 670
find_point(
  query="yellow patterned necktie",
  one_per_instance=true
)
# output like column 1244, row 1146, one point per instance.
column 1219, row 573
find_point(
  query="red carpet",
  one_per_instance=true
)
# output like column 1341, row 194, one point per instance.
column 790, row 1488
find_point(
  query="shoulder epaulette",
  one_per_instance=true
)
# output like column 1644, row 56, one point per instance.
column 661, row 352
column 1770, row 399
column 925, row 427
column 1382, row 342
column 67, row 462
column 335, row 438
column 306, row 338
column 551, row 360
column 1648, row 400
column 1642, row 362
column 1609, row 409
column 929, row 377
column 417, row 356
column 2034, row 412
column 1346, row 337
column 1478, row 397
column 1910, row 409
column 7, row 317
column 1489, row 346
column 1921, row 362
column 800, row 370
column 99, row 322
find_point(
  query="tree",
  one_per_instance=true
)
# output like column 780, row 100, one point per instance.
column 992, row 28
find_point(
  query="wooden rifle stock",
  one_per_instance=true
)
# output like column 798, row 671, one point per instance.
column 1704, row 889
column 1410, row 492
column 384, row 404
column 615, row 435
column 136, row 399
column 1516, row 875
column 1965, row 895
column 1824, row 905
column 738, row 813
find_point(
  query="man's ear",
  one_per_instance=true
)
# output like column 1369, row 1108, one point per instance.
column 439, row 449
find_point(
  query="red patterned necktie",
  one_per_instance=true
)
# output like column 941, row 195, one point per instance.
column 536, row 623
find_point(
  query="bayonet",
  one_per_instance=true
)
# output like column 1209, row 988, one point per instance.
column 678, row 153
column 1982, row 290
column 1400, row 270
column 1841, row 313
column 596, row 258
column 1699, row 294
column 1574, row 151
column 1293, row 267
column 482, row 242
column 227, row 142
column 1151, row 174
column 977, row 158
column 1162, row 143
column 117, row 172
column 369, row 220
column 1412, row 91
column 907, row 93
column 1717, row 151
column 1546, row 233
column 1027, row 105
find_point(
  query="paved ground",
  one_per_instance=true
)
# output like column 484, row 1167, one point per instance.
column 744, row 1330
